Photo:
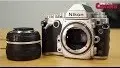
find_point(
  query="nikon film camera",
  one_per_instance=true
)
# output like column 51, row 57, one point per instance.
column 80, row 33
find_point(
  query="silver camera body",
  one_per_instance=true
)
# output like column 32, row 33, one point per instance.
column 80, row 33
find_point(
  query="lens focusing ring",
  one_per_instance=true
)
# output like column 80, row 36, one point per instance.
column 23, row 37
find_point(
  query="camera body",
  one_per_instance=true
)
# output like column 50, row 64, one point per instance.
column 80, row 33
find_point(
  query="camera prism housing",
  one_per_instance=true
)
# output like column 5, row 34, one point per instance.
column 80, row 33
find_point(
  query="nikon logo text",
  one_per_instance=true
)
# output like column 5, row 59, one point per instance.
column 75, row 14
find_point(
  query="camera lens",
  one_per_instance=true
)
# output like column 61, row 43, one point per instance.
column 76, row 38
column 23, row 44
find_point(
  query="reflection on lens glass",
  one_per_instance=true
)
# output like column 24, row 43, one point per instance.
column 76, row 39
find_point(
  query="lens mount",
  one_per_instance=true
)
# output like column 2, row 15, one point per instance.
column 82, row 27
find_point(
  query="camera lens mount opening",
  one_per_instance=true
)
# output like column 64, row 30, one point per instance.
column 76, row 38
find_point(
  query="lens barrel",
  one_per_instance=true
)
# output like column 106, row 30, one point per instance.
column 23, row 44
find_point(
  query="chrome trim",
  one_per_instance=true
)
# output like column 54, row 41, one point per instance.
column 31, row 42
column 52, row 53
column 95, row 50
column 29, row 31
column 59, row 46
column 48, row 25
column 100, row 57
